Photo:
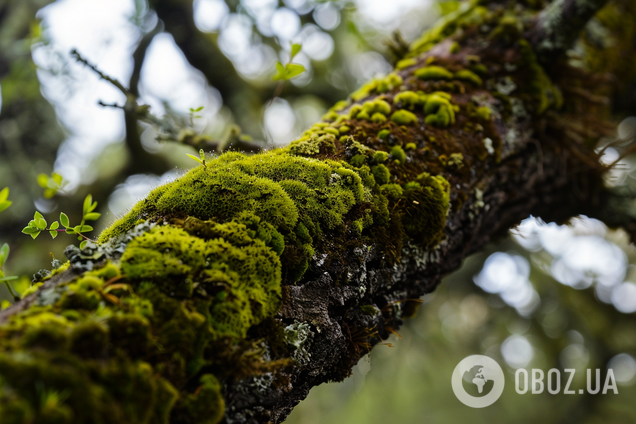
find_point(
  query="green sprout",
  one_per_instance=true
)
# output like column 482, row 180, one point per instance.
column 290, row 70
column 194, row 115
column 200, row 159
column 39, row 224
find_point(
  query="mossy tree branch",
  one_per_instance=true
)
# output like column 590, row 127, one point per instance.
column 235, row 289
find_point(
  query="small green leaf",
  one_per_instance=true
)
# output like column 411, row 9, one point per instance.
column 70, row 230
column 53, row 234
column 88, row 201
column 79, row 237
column 1, row 275
column 199, row 109
column 281, row 72
column 37, row 216
column 4, row 205
column 195, row 158
column 49, row 193
column 35, row 235
column 41, row 224
column 202, row 155
column 82, row 228
column 83, row 244
column 4, row 254
column 295, row 48
column 294, row 69
column 92, row 216
column 54, row 226
column 64, row 220
column 30, row 230
column 4, row 194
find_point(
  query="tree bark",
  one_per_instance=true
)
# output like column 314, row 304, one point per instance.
column 229, row 293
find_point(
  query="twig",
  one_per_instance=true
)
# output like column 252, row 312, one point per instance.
column 102, row 75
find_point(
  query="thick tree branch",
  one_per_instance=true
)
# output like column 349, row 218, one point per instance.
column 235, row 289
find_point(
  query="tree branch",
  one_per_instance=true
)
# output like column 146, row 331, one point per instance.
column 233, row 290
column 559, row 25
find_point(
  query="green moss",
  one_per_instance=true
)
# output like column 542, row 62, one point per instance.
column 543, row 93
column 410, row 146
column 454, row 48
column 405, row 63
column 369, row 309
column 379, row 85
column 433, row 73
column 381, row 174
column 398, row 153
column 392, row 190
column 466, row 75
column 426, row 207
column 409, row 99
column 380, row 157
column 358, row 160
column 383, row 134
column 483, row 112
column 404, row 117
column 377, row 106
column 243, row 266
column 378, row 118
column 206, row 405
column 344, row 129
column 439, row 110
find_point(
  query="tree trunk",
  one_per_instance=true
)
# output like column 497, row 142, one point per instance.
column 230, row 292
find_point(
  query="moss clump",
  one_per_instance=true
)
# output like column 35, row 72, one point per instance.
column 392, row 190
column 433, row 73
column 378, row 118
column 383, row 134
column 398, row 154
column 404, row 117
column 379, row 85
column 244, row 267
column 483, row 112
column 380, row 157
column 426, row 207
column 405, row 63
column 381, row 174
column 409, row 99
column 205, row 405
column 470, row 76
column 439, row 111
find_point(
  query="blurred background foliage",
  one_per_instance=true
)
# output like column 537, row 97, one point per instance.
column 547, row 296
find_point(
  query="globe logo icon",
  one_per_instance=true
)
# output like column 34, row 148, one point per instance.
column 478, row 381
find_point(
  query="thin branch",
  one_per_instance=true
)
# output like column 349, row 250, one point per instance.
column 102, row 75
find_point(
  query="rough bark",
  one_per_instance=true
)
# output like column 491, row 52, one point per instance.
column 229, row 293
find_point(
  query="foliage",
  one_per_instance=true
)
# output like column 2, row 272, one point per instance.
column 39, row 224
